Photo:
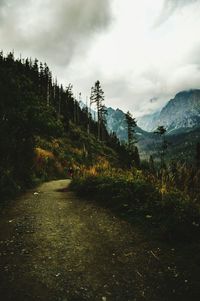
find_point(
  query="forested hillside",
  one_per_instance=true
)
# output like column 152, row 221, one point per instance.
column 43, row 130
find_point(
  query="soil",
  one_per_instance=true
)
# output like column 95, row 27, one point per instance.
column 55, row 246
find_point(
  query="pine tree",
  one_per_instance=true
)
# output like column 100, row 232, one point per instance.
column 151, row 164
column 97, row 97
column 33, row 106
column 197, row 156
column 132, row 149
column 131, row 124
column 161, row 131
column 136, row 157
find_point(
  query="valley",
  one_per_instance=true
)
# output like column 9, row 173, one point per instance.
column 180, row 117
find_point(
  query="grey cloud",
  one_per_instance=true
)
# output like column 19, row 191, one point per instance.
column 61, row 32
column 156, row 89
column 124, row 93
column 3, row 3
column 169, row 7
column 193, row 56
column 173, row 4
column 56, row 30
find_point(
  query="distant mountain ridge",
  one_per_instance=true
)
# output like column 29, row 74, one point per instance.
column 116, row 122
column 181, row 117
column 183, row 111
column 147, row 122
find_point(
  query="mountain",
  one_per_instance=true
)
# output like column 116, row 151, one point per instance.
column 181, row 146
column 181, row 112
column 116, row 122
column 147, row 122
column 181, row 117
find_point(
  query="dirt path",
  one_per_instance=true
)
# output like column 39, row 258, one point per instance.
column 54, row 246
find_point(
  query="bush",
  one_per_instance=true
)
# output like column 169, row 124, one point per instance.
column 8, row 187
column 179, row 216
column 110, row 189
column 174, row 214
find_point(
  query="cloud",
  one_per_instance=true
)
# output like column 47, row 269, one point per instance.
column 2, row 3
column 56, row 30
column 174, row 4
column 193, row 56
column 169, row 8
column 113, row 41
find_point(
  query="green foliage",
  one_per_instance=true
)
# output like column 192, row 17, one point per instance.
column 24, row 113
column 133, row 158
column 161, row 131
column 132, row 190
column 34, row 108
column 97, row 97
column 172, row 213
column 131, row 124
column 197, row 155
column 9, row 188
column 179, row 217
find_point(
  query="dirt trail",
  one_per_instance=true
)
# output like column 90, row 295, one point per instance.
column 54, row 246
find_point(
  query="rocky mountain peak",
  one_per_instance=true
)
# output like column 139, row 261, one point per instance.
column 183, row 111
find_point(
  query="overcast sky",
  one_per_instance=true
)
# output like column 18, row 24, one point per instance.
column 142, row 51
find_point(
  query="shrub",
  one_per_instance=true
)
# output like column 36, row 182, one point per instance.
column 111, row 188
column 178, row 216
column 174, row 214
column 8, row 187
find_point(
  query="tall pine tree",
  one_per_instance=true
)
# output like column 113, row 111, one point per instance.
column 132, row 148
column 97, row 97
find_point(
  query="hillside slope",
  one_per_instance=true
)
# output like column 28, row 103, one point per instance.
column 43, row 129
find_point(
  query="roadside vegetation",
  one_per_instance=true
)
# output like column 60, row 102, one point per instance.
column 139, row 196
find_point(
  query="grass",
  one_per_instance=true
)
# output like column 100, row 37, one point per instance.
column 173, row 214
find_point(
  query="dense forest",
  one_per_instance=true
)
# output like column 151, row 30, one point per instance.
column 44, row 130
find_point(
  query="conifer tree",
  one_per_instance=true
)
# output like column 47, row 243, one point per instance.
column 131, row 124
column 33, row 106
column 151, row 164
column 97, row 97
column 132, row 148
column 161, row 131
column 197, row 157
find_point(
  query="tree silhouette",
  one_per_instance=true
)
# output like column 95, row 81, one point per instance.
column 97, row 97
column 131, row 124
column 197, row 156
column 161, row 131
column 132, row 148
